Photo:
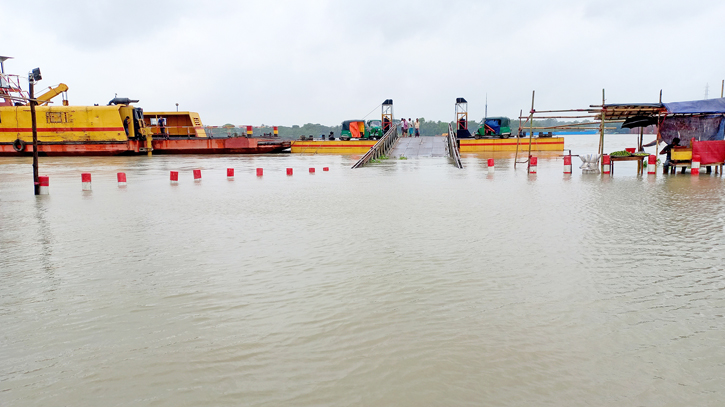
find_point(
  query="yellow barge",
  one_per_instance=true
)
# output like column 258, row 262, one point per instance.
column 332, row 146
column 466, row 145
column 509, row 144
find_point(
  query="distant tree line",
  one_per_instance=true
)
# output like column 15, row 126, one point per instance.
column 427, row 128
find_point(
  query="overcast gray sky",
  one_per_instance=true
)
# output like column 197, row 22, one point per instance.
column 323, row 61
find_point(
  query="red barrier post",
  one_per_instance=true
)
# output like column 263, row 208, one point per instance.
column 44, row 182
column 86, row 181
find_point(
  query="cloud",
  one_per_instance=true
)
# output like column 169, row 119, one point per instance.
column 288, row 62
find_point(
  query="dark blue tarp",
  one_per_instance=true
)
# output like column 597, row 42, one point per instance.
column 696, row 106
column 495, row 125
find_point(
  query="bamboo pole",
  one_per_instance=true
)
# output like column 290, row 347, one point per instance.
column 563, row 111
column 573, row 128
column 531, row 131
column 722, row 88
column 577, row 124
column 518, row 140
column 565, row 117
column 601, row 131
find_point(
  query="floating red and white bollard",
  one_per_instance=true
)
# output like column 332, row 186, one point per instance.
column 174, row 177
column 197, row 175
column 606, row 164
column 652, row 164
column 44, row 182
column 121, row 176
column 260, row 172
column 312, row 170
column 325, row 168
column 533, row 163
column 86, row 181
column 695, row 167
column 491, row 166
column 289, row 171
column 567, row 164
column 230, row 173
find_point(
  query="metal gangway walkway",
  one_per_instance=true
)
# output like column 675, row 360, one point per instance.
column 381, row 148
column 453, row 148
column 393, row 146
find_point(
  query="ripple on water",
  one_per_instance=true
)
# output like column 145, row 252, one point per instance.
column 409, row 283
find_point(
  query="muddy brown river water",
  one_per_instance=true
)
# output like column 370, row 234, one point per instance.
column 406, row 283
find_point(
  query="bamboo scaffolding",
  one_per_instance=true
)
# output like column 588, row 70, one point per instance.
column 601, row 131
column 564, row 117
column 531, row 132
column 563, row 111
column 518, row 139
column 577, row 124
column 574, row 128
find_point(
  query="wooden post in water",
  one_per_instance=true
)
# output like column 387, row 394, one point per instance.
column 531, row 129
column 722, row 88
column 34, row 124
column 601, row 130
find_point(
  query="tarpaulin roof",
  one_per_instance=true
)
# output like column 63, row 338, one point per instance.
column 696, row 106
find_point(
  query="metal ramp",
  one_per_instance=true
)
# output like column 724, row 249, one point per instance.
column 381, row 148
column 412, row 147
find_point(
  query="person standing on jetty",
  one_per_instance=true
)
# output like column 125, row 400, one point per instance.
column 417, row 127
column 404, row 126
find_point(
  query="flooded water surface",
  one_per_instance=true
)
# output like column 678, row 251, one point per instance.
column 405, row 283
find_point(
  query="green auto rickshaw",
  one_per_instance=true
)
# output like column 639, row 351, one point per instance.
column 495, row 127
column 360, row 130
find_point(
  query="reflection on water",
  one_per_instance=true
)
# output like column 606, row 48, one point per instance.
column 409, row 282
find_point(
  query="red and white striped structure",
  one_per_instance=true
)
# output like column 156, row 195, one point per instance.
column 86, row 181
column 533, row 163
column 567, row 164
column 44, row 182
column 289, row 171
column 652, row 164
column 260, row 172
column 230, row 173
column 197, row 175
column 491, row 166
column 606, row 164
column 174, row 177
column 695, row 167
column 121, row 176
